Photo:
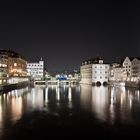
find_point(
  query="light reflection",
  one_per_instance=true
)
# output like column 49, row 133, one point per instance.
column 35, row 99
column 46, row 95
column 100, row 102
column 69, row 94
column 1, row 113
column 112, row 103
column 16, row 107
column 57, row 93
column 70, row 97
column 86, row 93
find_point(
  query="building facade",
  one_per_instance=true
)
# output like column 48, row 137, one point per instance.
column 116, row 73
column 100, row 73
column 94, row 72
column 3, row 68
column 86, row 73
column 127, row 68
column 136, row 69
column 12, row 65
column 36, row 70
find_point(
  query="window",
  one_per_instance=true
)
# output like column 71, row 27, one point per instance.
column 100, row 77
column 15, row 64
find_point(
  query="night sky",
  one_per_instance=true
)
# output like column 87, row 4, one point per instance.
column 67, row 32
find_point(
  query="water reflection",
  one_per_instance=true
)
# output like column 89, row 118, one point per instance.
column 35, row 99
column 108, row 104
column 111, row 103
column 100, row 102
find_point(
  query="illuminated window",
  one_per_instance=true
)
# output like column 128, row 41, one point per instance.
column 15, row 64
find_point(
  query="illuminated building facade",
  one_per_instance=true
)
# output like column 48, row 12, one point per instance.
column 3, row 68
column 136, row 69
column 12, row 64
column 127, row 68
column 36, row 70
column 94, row 72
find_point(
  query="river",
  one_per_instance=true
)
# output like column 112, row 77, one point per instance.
column 105, row 105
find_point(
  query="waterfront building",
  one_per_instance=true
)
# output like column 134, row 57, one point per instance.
column 135, row 69
column 36, row 70
column 116, row 72
column 3, row 68
column 12, row 65
column 94, row 71
column 127, row 68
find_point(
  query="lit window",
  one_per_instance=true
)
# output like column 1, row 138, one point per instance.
column 15, row 64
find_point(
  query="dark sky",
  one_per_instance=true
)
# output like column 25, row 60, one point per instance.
column 67, row 32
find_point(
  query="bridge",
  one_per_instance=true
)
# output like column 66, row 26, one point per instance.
column 56, row 82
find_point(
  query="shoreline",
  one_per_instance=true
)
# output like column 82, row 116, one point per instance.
column 10, row 87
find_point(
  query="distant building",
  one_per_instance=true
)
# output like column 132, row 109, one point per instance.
column 94, row 71
column 36, row 70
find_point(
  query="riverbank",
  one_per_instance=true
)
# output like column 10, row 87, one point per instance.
column 9, row 87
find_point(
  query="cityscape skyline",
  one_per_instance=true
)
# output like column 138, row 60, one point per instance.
column 66, row 33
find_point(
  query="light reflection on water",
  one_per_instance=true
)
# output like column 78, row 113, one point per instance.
column 108, row 104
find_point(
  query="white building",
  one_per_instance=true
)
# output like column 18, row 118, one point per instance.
column 127, row 68
column 94, row 72
column 36, row 70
